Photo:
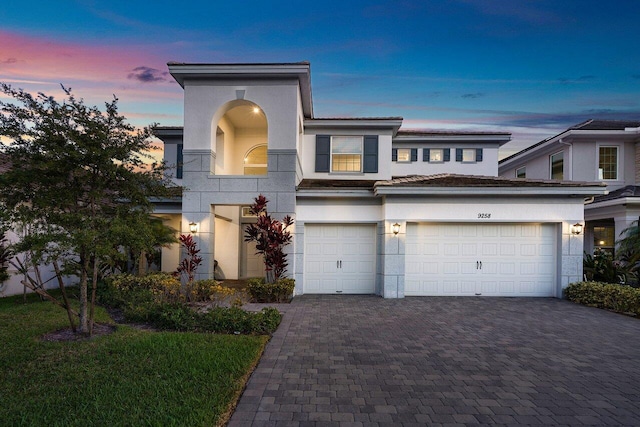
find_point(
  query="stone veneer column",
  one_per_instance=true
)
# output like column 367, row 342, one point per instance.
column 571, row 256
column 393, row 260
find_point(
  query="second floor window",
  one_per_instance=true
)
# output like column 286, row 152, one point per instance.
column 557, row 166
column 521, row 172
column 608, row 163
column 346, row 154
column 255, row 162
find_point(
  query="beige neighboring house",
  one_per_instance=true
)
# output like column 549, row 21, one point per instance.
column 606, row 151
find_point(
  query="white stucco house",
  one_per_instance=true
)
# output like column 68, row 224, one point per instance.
column 606, row 151
column 377, row 209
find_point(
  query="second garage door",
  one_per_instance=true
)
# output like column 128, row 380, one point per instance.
column 339, row 258
column 480, row 259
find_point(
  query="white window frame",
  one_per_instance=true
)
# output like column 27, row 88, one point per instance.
column 361, row 154
column 473, row 155
column 551, row 165
column 436, row 150
column 402, row 152
column 618, row 165
column 521, row 168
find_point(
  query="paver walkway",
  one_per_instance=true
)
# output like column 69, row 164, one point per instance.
column 364, row 360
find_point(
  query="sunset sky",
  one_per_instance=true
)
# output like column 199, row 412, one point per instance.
column 528, row 67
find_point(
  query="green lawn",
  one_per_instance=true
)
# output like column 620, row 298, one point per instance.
column 130, row 377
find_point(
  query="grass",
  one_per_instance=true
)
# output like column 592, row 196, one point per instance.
column 130, row 377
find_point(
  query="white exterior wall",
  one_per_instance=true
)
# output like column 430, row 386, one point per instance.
column 540, row 166
column 487, row 167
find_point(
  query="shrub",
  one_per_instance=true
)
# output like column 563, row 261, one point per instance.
column 280, row 291
column 620, row 298
column 163, row 286
column 209, row 290
column 602, row 267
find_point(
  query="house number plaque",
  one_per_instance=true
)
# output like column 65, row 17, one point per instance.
column 484, row 215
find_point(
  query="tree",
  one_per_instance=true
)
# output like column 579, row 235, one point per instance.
column 5, row 256
column 79, row 183
column 187, row 268
column 271, row 236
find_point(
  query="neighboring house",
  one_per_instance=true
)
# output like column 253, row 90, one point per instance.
column 377, row 210
column 606, row 151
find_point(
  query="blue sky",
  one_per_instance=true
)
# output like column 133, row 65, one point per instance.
column 532, row 68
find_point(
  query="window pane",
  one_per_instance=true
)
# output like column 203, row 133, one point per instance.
column 608, row 163
column 604, row 237
column 257, row 156
column 346, row 163
column 435, row 155
column 469, row 155
column 404, row 154
column 521, row 173
column 346, row 145
column 557, row 166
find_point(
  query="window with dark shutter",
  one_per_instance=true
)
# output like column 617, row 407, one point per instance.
column 323, row 153
column 447, row 154
column 414, row 154
column 478, row 154
column 425, row 154
column 394, row 154
column 370, row 154
column 458, row 154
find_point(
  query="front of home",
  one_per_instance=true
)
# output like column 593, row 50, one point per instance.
column 377, row 209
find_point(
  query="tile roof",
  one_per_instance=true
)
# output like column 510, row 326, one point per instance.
column 594, row 124
column 428, row 132
column 440, row 180
column 360, row 184
column 454, row 180
column 620, row 193
column 358, row 118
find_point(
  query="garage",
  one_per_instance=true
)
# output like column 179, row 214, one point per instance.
column 339, row 258
column 450, row 259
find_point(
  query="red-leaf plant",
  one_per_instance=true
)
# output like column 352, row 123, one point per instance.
column 270, row 236
column 189, row 264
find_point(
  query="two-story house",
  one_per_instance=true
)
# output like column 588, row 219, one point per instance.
column 606, row 151
column 377, row 209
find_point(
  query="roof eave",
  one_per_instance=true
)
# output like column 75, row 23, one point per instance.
column 299, row 70
column 355, row 123
column 613, row 202
column 490, row 191
column 501, row 139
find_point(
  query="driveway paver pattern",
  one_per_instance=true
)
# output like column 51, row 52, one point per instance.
column 363, row 360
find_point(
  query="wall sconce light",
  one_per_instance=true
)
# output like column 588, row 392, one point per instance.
column 193, row 227
column 395, row 228
column 577, row 228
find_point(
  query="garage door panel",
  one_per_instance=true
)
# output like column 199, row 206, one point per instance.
column 510, row 259
column 340, row 258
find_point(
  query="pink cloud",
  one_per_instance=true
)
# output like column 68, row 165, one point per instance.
column 32, row 58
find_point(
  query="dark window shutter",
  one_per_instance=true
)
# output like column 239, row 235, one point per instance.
column 370, row 164
column 179, row 161
column 394, row 154
column 458, row 154
column 447, row 154
column 425, row 154
column 478, row 154
column 323, row 153
column 414, row 154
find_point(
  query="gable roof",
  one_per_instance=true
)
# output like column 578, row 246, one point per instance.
column 619, row 126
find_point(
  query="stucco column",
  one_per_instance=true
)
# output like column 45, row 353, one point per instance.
column 572, row 255
column 393, row 259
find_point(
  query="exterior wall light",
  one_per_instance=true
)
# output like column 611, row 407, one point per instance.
column 577, row 228
column 395, row 228
column 193, row 227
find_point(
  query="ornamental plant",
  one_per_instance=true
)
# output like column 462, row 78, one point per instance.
column 190, row 263
column 270, row 236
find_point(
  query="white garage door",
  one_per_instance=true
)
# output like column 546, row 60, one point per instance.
column 339, row 258
column 480, row 259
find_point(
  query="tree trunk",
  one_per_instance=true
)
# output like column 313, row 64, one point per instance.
column 56, row 268
column 94, row 286
column 142, row 263
column 84, row 323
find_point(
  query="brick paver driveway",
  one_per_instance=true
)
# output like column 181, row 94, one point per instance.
column 364, row 360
